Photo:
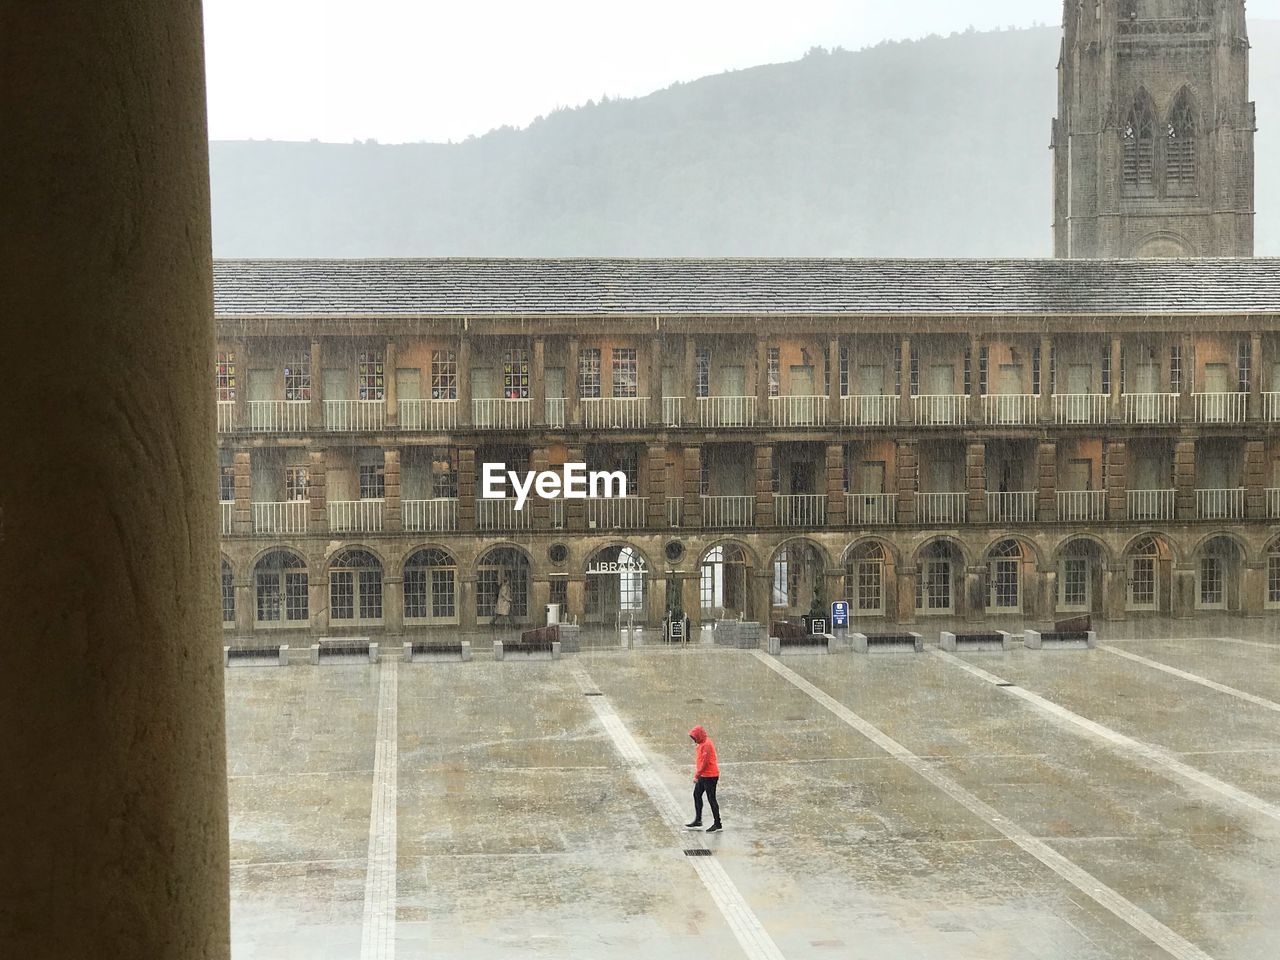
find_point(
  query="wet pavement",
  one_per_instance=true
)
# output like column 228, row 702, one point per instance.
column 1115, row 803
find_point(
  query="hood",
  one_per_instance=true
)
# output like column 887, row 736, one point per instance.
column 698, row 734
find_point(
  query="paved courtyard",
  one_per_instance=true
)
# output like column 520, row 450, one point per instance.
column 1109, row 804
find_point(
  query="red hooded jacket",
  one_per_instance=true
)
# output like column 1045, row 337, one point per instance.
column 705, row 765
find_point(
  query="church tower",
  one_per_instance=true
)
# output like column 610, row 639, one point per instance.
column 1153, row 143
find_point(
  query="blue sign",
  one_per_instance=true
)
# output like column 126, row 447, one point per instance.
column 840, row 614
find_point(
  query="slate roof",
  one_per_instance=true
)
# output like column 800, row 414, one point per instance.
column 741, row 287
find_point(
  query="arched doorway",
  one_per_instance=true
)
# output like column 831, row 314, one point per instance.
column 722, row 582
column 1218, row 566
column 1005, row 588
column 936, row 585
column 502, row 587
column 280, row 590
column 355, row 588
column 617, row 584
column 1080, row 571
column 866, row 576
column 1149, row 572
column 796, row 587
column 430, row 588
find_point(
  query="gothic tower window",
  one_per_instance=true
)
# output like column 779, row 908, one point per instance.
column 1180, row 148
column 1137, row 137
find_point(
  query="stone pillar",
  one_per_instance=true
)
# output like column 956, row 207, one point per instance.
column 1255, row 376
column 240, row 414
column 765, row 512
column 973, row 596
column 1117, row 364
column 1116, row 480
column 690, row 391
column 904, row 376
column 245, row 608
column 1184, row 478
column 391, row 517
column 539, row 597
column 975, row 379
column 1182, row 587
column 317, row 493
column 1186, row 347
column 242, row 512
column 389, row 378
column 837, row 502
column 111, row 678
column 692, row 497
column 656, row 486
column 573, row 385
column 691, row 601
column 467, row 491
column 575, row 511
column 1113, row 592
column 906, row 595
column 834, row 414
column 907, row 461
column 466, row 599
column 466, row 415
column 317, row 597
column 975, row 476
column 1253, row 591
column 655, row 380
column 1255, row 479
column 760, row 596
column 763, row 413
column 540, row 510
column 1047, row 482
column 393, row 606
column 538, row 383
column 655, row 599
column 1046, row 379
column 315, row 410
column 1047, row 596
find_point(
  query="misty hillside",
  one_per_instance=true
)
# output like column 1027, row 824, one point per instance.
column 931, row 148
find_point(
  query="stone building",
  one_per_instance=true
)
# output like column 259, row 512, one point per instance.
column 1153, row 143
column 925, row 438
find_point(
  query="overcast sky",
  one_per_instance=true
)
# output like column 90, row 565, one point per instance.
column 409, row 70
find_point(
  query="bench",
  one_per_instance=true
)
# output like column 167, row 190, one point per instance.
column 255, row 655
column 1059, row 639
column 344, row 650
column 422, row 651
column 808, row 643
column 996, row 640
column 887, row 643
column 526, row 649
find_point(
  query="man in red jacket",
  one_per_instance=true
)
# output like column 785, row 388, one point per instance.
column 706, row 776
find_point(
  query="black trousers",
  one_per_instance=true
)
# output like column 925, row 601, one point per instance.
column 706, row 785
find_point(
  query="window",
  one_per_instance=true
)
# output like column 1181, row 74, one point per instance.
column 503, row 566
column 1175, row 369
column 984, row 360
column 1006, row 577
column 915, row 373
column 1243, row 365
column 844, row 372
column 225, row 370
column 430, row 587
column 444, row 472
column 373, row 481
column 444, row 375
column 1180, row 149
column 227, row 483
column 1137, row 139
column 625, row 372
column 897, row 369
column 1073, row 584
column 560, row 592
column 1144, row 591
column 280, row 588
column 704, row 479
column 1035, row 370
column 370, row 375
column 297, row 379
column 968, row 371
column 1212, row 591
column 1053, row 369
column 1273, row 579
column 515, row 374
column 295, row 483
column 775, row 371
column 1106, row 372
column 864, row 579
column 702, row 372
column 355, row 587
column 589, row 373
column 228, row 594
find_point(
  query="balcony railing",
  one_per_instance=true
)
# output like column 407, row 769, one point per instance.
column 226, row 512
column 287, row 517
column 728, row 511
column 941, row 409
column 279, row 416
column 432, row 416
column 226, row 415
column 672, row 411
column 1150, row 407
column 554, row 408
column 675, row 511
column 354, row 415
column 1080, row 407
column 799, row 510
column 869, row 410
column 1273, row 503
column 1220, row 504
column 617, row 513
column 1082, row 505
column 798, row 411
column 503, row 515
column 355, row 516
column 499, row 413
column 726, row 411
column 1152, row 504
column 941, row 507
column 1221, row 407
column 439, row 514
column 1271, row 407
column 615, row 413
column 555, row 514
column 1011, row 506
column 871, row 509
column 1011, row 409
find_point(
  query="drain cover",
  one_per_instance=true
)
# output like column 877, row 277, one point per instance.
column 1004, row 683
column 593, row 693
column 703, row 852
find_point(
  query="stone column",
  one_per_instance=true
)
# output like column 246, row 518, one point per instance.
column 765, row 504
column 906, row 591
column 573, row 385
column 1046, row 379
column 539, row 597
column 975, row 473
column 973, row 597
column 1046, row 482
column 315, row 411
column 1113, row 592
column 1117, row 364
column 1253, row 591
column 690, row 364
column 975, row 379
column 467, row 600
column 393, row 608
column 691, row 600
column 763, row 411
column 1255, row 377
column 1186, row 347
column 317, row 493
column 243, row 587
column 692, row 496
column 904, row 375
column 111, row 678
column 907, row 461
column 1255, row 479
column 1184, row 478
column 575, row 511
column 837, row 502
column 466, row 415
column 655, row 486
column 538, row 383
column 540, row 510
column 760, row 596
column 1047, row 597
column 834, row 414
column 467, row 491
column 317, row 597
column 242, row 512
column 389, row 378
column 1182, row 586
column 391, row 517
column 240, row 414
column 655, row 381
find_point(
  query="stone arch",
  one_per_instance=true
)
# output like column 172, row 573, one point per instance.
column 1165, row 543
column 1208, row 538
column 1219, row 560
column 752, row 558
column 955, row 544
column 941, row 568
column 429, row 592
column 281, row 582
column 870, row 577
column 271, row 548
column 1163, row 243
column 1149, row 559
column 1030, row 549
column 1082, row 561
column 354, row 547
column 503, row 575
column 355, row 576
column 1072, row 540
column 1138, row 134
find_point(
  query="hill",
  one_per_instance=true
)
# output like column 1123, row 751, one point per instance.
column 937, row 147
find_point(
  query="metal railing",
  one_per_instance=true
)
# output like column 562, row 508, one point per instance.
column 728, row 511
column 354, row 415
column 726, row 411
column 792, row 411
column 1080, row 407
column 617, row 513
column 1220, row 504
column 289, row 516
column 1221, row 407
column 675, row 511
column 1273, row 503
column 615, row 413
column 941, row 409
column 1150, row 407
column 869, row 509
column 941, row 507
column 555, row 409
column 355, row 516
column 869, row 410
column 1011, row 506
column 1011, row 409
column 1152, row 504
column 1271, row 407
column 226, row 416
column 1082, row 505
column 799, row 510
column 672, row 411
column 433, row 416
column 499, row 413
column 439, row 514
column 226, row 514
column 279, row 416
column 503, row 515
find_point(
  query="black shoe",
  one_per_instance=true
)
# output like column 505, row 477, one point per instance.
column 715, row 827
column 690, row 826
